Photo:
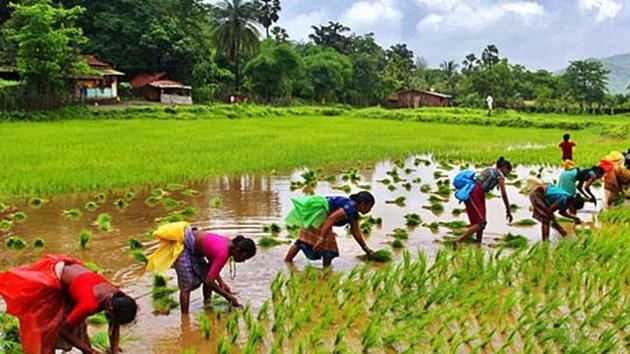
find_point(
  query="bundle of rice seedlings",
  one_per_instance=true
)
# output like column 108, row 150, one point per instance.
column 139, row 256
column 39, row 242
column 400, row 201
column 6, row 225
column 269, row 242
column 100, row 198
column 19, row 216
column 513, row 241
column 121, row 203
column 190, row 193
column 84, row 237
column 134, row 244
column 173, row 187
column 15, row 243
column 400, row 234
column 524, row 223
column 170, row 203
column 204, row 323
column 380, row 256
column 104, row 222
column 36, row 202
column 72, row 213
column 216, row 202
column 272, row 228
column 91, row 206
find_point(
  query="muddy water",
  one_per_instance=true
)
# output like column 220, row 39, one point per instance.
column 249, row 202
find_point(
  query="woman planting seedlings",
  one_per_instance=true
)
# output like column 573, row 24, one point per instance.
column 52, row 299
column 486, row 181
column 316, row 216
column 198, row 258
column 546, row 200
column 584, row 179
column 616, row 178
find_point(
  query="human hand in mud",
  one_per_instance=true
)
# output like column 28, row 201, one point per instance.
column 234, row 301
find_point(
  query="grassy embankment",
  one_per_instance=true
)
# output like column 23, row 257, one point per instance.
column 79, row 150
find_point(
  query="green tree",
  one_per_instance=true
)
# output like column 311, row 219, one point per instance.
column 235, row 32
column 495, row 80
column 268, row 13
column 332, row 36
column 327, row 74
column 490, row 55
column 449, row 71
column 399, row 65
column 470, row 63
column 271, row 73
column 280, row 34
column 46, row 44
column 586, row 82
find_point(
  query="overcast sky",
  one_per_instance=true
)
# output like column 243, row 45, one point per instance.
column 537, row 33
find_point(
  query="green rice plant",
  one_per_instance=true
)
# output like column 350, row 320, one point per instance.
column 84, row 237
column 216, row 202
column 37, row 202
column 272, row 228
column 400, row 234
column 444, row 190
column 39, row 242
column 190, row 193
column 97, row 319
column 397, row 243
column 139, row 256
column 189, row 212
column 100, row 197
column 169, row 218
column 420, row 161
column 170, row 203
column 351, row 175
column 425, row 188
column 514, row 208
column 380, row 256
column 409, row 170
column 159, row 281
column 100, row 341
column 384, row 181
column 159, row 193
column 436, row 208
column 204, row 323
column 345, row 188
column 513, row 241
column 152, row 200
column 365, row 187
column 15, row 243
column 19, row 216
column 365, row 227
column 400, row 201
column 129, row 196
column 524, row 223
column 121, row 203
column 94, row 267
column 438, row 174
column 267, row 242
column 308, row 184
column 6, row 225
column 407, row 186
column 616, row 215
column 391, row 188
column 134, row 244
column 454, row 225
column 104, row 222
column 223, row 345
column 435, row 199
column 434, row 226
column 91, row 206
column 174, row 187
column 330, row 179
column 458, row 211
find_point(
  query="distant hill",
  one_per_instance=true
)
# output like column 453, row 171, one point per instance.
column 619, row 77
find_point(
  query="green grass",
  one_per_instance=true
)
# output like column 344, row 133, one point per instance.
column 87, row 155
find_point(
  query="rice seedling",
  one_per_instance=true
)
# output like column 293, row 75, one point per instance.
column 19, row 216
column 365, row 227
column 98, row 319
column 152, row 201
column 391, row 188
column 159, row 193
column 444, row 190
column 616, row 215
column 39, row 242
column 454, row 225
column 409, row 170
column 94, row 267
column 435, row 208
column 407, row 186
column 267, row 242
column 308, row 184
column 272, row 228
column 365, row 187
column 173, row 217
column 84, row 237
column 434, row 226
column 134, row 244
column 216, row 202
column 420, row 161
column 37, row 202
column 174, row 187
column 100, row 198
column 345, row 188
column 458, row 211
column 100, row 341
column 413, row 220
column 139, row 256
column 351, row 175
column 190, row 193
column 121, row 203
column 6, row 225
column 513, row 241
column 204, row 323
column 425, row 188
column 435, row 199
column 104, row 222
column 129, row 196
column 380, row 256
column 91, row 206
column 330, row 179
column 438, row 174
column 161, row 295
column 397, row 243
column 400, row 201
column 400, row 234
column 170, row 203
column 524, row 223
column 15, row 243
column 384, row 181
column 514, row 208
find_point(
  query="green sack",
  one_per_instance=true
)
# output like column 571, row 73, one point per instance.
column 308, row 211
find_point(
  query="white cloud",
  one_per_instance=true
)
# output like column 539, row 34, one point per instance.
column 372, row 12
column 606, row 9
column 299, row 27
column 476, row 15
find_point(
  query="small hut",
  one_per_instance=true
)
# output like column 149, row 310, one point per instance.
column 419, row 98
column 155, row 87
column 100, row 86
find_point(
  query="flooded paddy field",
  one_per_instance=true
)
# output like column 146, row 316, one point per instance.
column 245, row 205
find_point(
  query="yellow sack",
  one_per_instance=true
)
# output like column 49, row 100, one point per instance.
column 569, row 165
column 171, row 237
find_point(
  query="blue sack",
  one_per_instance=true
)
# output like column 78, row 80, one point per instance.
column 464, row 183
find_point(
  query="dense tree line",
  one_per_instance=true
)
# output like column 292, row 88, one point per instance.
column 234, row 47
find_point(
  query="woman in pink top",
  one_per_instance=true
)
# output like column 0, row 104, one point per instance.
column 201, row 261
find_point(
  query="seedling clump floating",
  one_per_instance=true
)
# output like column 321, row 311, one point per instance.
column 36, row 202
column 39, row 242
column 269, row 242
column 91, row 206
column 15, row 243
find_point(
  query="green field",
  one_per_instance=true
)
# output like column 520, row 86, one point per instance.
column 82, row 150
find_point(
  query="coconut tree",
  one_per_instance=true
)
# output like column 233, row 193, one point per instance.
column 235, row 32
column 449, row 70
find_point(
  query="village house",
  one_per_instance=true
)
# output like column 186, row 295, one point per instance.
column 419, row 98
column 102, row 85
column 155, row 87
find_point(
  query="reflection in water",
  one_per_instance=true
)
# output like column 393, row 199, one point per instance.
column 249, row 202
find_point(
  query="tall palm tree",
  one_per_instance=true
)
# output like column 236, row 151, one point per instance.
column 449, row 70
column 235, row 32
